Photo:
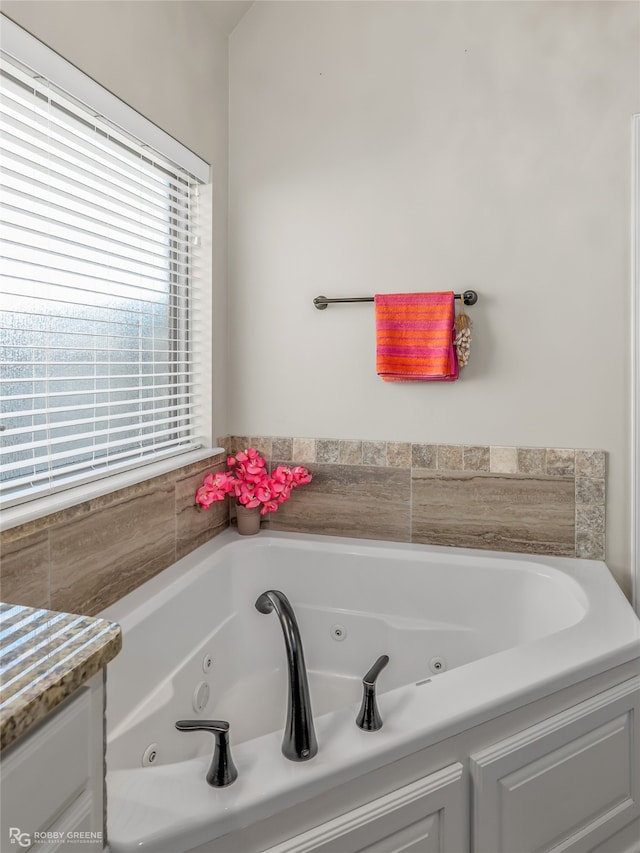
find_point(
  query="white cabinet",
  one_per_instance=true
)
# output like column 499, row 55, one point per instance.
column 551, row 778
column 568, row 783
column 53, row 777
column 425, row 816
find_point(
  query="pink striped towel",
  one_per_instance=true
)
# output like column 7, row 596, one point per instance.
column 414, row 337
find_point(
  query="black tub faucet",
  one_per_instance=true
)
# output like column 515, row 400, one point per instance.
column 299, row 742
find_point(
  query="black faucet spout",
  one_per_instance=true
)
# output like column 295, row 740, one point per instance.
column 299, row 742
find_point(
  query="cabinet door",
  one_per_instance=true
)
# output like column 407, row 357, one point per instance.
column 76, row 829
column 565, row 784
column 51, row 780
column 427, row 816
column 52, row 764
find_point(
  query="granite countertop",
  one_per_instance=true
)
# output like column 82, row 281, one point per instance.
column 44, row 658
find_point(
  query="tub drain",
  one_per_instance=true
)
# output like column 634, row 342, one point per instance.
column 437, row 664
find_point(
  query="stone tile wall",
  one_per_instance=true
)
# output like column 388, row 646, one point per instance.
column 84, row 558
column 528, row 499
column 532, row 500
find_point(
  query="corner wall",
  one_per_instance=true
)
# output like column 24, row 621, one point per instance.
column 408, row 146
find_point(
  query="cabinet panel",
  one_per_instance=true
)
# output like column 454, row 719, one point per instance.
column 565, row 784
column 75, row 828
column 52, row 765
column 52, row 779
column 425, row 816
column 424, row 836
column 567, row 788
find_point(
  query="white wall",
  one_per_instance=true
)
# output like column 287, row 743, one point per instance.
column 390, row 146
column 169, row 61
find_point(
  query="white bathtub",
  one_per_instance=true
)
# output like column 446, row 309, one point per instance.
column 470, row 635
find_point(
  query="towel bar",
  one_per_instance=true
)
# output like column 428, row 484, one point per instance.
column 469, row 297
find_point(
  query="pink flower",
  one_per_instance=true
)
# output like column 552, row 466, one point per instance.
column 300, row 475
column 263, row 492
column 250, row 482
column 214, row 488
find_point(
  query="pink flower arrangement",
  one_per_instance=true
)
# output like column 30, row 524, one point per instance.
column 251, row 483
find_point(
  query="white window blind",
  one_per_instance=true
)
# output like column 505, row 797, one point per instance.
column 96, row 294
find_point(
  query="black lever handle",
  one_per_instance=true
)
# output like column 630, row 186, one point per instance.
column 222, row 771
column 369, row 719
column 371, row 677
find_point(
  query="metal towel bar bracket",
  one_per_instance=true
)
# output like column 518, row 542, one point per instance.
column 469, row 297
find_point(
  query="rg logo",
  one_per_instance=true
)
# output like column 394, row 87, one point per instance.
column 16, row 836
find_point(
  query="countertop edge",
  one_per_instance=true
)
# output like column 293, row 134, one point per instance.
column 21, row 713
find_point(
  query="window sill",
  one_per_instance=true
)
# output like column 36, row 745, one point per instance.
column 39, row 508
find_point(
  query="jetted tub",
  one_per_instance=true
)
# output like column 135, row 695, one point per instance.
column 470, row 635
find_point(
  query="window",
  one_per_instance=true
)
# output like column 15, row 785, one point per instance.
column 97, row 235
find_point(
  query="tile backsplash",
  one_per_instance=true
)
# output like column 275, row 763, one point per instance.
column 84, row 558
column 534, row 500
column 526, row 499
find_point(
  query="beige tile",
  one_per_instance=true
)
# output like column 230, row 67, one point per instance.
column 238, row 443
column 186, row 545
column 262, row 444
column 589, row 519
column 532, row 460
column 504, row 512
column 282, row 449
column 590, row 546
column 350, row 452
column 590, row 463
column 24, row 570
column 590, row 490
column 374, row 453
column 304, row 450
column 560, row 462
column 424, row 455
column 450, row 457
column 399, row 454
column 327, row 450
column 475, row 458
column 364, row 501
column 503, row 460
column 195, row 525
column 98, row 558
column 21, row 531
